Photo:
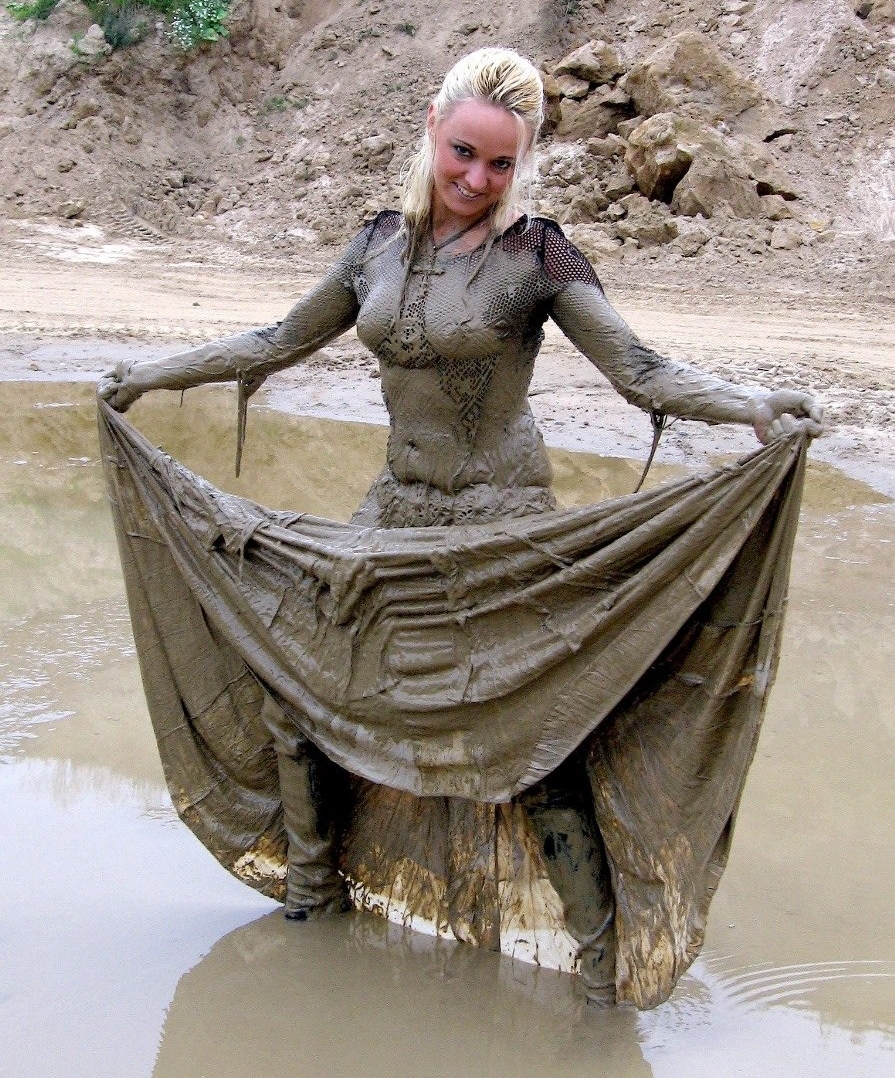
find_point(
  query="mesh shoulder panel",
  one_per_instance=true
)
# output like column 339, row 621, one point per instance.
column 561, row 260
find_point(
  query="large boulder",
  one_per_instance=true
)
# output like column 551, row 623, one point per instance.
column 596, row 242
column 660, row 153
column 688, row 75
column 700, row 170
column 597, row 62
column 876, row 11
column 650, row 223
column 594, row 117
column 716, row 187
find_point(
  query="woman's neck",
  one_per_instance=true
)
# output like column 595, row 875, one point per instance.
column 448, row 228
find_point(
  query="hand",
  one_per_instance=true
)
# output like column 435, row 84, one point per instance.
column 785, row 412
column 116, row 389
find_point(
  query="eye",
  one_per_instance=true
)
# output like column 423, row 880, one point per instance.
column 503, row 165
column 462, row 151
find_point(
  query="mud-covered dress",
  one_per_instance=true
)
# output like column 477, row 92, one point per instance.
column 546, row 716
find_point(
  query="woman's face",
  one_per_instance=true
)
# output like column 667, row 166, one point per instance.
column 476, row 146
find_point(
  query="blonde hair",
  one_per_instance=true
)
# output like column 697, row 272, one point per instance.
column 499, row 76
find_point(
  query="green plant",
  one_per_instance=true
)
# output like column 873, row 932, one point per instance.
column 123, row 22
column 408, row 28
column 40, row 9
column 198, row 22
column 278, row 103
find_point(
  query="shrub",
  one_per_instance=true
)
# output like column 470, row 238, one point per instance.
column 198, row 22
column 125, row 22
column 40, row 9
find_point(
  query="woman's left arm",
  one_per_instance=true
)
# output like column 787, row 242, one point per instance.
column 655, row 383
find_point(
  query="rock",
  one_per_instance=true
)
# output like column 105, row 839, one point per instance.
column 45, row 63
column 573, row 87
column 690, row 240
column 689, row 75
column 876, row 11
column 595, row 243
column 563, row 165
column 596, row 62
column 71, row 209
column 618, row 183
column 586, row 205
column 552, row 99
column 715, row 187
column 130, row 132
column 70, row 17
column 610, row 146
column 376, row 150
column 775, row 208
column 92, row 45
column 650, row 223
column 785, row 237
column 87, row 106
column 659, row 155
column 614, row 95
column 769, row 178
column 590, row 118
column 682, row 160
column 551, row 86
column 627, row 126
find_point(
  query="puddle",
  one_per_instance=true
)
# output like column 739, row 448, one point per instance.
column 145, row 958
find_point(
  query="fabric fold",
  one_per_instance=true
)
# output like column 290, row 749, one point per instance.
column 469, row 662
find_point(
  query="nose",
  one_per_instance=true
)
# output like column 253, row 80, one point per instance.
column 476, row 178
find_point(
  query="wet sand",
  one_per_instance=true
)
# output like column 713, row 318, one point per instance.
column 144, row 957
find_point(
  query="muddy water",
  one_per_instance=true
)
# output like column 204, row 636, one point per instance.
column 126, row 951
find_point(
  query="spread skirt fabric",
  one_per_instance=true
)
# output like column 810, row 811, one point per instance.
column 450, row 669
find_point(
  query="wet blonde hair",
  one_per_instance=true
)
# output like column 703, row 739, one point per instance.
column 499, row 76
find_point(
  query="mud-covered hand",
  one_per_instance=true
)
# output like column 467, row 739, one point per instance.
column 117, row 388
column 785, row 412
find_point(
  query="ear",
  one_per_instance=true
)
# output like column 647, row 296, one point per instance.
column 430, row 119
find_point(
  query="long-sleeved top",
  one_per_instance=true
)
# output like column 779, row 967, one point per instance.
column 457, row 337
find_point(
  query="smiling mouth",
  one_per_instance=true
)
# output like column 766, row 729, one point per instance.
column 469, row 195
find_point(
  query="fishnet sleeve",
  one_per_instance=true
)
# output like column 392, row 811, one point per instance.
column 327, row 311
column 642, row 376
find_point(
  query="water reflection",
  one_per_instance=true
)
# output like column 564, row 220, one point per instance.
column 360, row 994
column 771, row 1019
column 106, row 901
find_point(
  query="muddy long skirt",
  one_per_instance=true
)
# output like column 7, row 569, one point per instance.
column 451, row 671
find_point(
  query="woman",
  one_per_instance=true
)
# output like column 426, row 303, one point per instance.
column 451, row 295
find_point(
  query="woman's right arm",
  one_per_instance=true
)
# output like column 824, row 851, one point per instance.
column 324, row 313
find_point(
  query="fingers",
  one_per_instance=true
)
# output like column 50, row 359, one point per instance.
column 115, row 393
column 786, row 425
column 786, row 412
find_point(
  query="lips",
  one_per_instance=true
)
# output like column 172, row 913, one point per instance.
column 468, row 195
